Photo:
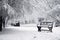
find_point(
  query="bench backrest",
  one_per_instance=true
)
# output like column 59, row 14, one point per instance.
column 46, row 23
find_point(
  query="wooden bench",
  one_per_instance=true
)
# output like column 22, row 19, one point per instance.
column 48, row 25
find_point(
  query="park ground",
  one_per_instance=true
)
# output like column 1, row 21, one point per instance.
column 29, row 32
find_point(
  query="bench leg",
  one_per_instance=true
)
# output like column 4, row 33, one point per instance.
column 39, row 28
column 50, row 29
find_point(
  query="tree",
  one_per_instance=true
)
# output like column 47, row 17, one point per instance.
column 55, row 13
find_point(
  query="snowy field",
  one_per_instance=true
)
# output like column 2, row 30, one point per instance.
column 29, row 32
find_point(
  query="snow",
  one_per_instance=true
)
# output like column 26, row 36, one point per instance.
column 56, row 30
column 29, row 33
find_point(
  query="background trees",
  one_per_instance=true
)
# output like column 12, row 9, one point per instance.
column 29, row 10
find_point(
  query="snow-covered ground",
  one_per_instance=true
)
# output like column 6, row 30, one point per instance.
column 29, row 32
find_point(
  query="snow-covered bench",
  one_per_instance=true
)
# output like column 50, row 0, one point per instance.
column 45, row 24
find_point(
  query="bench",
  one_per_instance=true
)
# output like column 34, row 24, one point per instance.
column 48, row 25
column 16, row 24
